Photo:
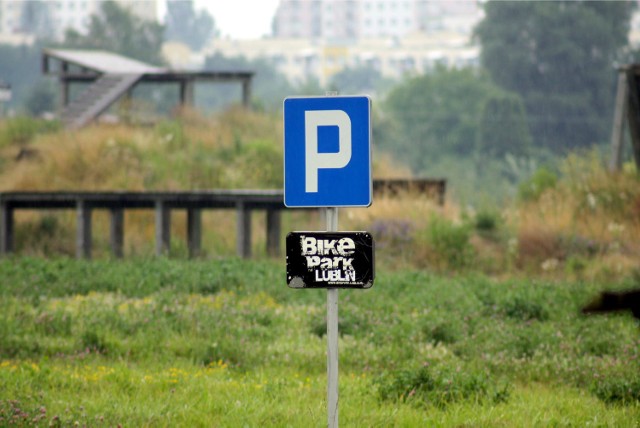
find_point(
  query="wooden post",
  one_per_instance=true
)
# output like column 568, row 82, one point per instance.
column 64, row 86
column 633, row 114
column 64, row 93
column 6, row 228
column 617, row 134
column 45, row 64
column 83, row 230
column 243, row 236
column 163, row 228
column 273, row 232
column 442, row 189
column 194, row 231
column 186, row 93
column 116, row 233
column 246, row 93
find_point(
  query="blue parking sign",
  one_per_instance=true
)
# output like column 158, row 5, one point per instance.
column 327, row 152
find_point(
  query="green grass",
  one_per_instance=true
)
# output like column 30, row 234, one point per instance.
column 159, row 342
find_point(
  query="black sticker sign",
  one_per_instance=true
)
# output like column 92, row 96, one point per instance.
column 330, row 260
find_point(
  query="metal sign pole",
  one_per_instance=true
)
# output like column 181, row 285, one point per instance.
column 331, row 219
column 304, row 158
column 331, row 216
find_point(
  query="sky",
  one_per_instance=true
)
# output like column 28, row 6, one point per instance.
column 240, row 19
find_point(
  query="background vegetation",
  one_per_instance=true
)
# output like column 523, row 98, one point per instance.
column 578, row 220
column 474, row 317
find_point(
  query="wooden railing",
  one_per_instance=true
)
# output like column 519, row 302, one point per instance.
column 244, row 202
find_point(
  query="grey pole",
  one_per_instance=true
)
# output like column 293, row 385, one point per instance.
column 116, row 232
column 163, row 228
column 331, row 215
column 83, row 230
column 243, row 234
column 6, row 228
column 194, row 231
column 617, row 134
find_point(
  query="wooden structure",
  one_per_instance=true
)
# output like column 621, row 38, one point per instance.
column 111, row 76
column 244, row 202
column 434, row 189
column 5, row 95
column 627, row 108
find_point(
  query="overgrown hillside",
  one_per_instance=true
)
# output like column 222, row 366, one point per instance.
column 580, row 221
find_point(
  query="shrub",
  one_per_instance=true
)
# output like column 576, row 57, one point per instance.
column 14, row 413
column 450, row 243
column 392, row 233
column 22, row 129
column 595, row 190
column 524, row 343
column 503, row 127
column 537, row 184
column 226, row 350
column 439, row 386
column 576, row 265
column 535, row 245
column 442, row 332
column 93, row 341
column 524, row 307
column 580, row 246
column 441, row 327
column 173, row 134
column 624, row 390
column 486, row 221
column 260, row 152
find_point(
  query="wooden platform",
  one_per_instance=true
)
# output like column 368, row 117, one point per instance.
column 111, row 76
column 244, row 202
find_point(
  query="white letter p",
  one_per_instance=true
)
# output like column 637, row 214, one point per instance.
column 315, row 160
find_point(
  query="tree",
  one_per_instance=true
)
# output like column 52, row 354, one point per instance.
column 269, row 87
column 558, row 56
column 184, row 24
column 358, row 80
column 437, row 114
column 20, row 67
column 41, row 98
column 310, row 86
column 116, row 29
column 35, row 18
column 503, row 127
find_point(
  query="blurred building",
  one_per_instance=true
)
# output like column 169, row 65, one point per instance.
column 381, row 18
column 51, row 18
column 354, row 19
column 634, row 33
column 319, row 38
column 455, row 16
column 300, row 59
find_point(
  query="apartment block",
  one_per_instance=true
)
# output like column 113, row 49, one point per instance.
column 355, row 19
column 300, row 59
column 51, row 18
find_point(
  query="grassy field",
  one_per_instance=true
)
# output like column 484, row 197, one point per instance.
column 474, row 319
column 158, row 342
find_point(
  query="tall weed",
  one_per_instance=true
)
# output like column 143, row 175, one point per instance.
column 22, row 129
column 449, row 243
column 440, row 386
